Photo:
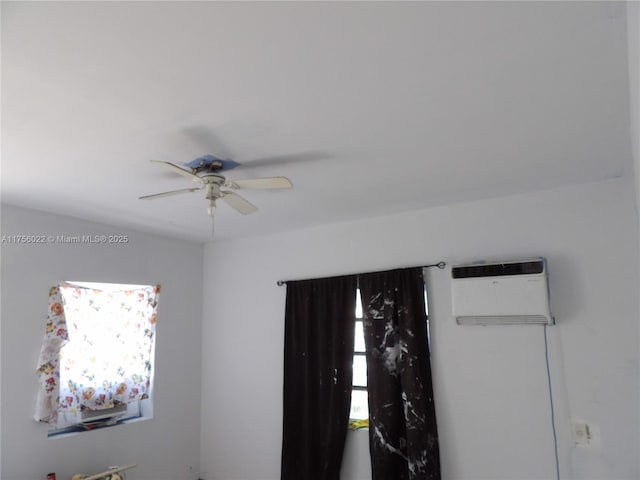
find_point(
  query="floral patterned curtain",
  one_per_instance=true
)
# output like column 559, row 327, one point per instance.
column 97, row 349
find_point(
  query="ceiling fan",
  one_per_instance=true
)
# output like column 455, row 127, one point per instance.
column 207, row 171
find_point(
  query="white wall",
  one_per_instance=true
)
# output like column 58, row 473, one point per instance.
column 490, row 382
column 166, row 447
column 633, row 42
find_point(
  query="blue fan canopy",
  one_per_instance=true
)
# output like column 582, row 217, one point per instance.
column 207, row 160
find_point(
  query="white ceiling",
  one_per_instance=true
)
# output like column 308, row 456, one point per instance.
column 373, row 108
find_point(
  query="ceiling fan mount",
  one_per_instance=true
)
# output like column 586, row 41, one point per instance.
column 210, row 164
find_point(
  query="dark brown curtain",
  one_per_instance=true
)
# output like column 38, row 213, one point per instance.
column 318, row 353
column 403, row 437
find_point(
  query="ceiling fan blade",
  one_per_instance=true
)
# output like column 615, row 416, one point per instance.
column 239, row 203
column 168, row 194
column 286, row 159
column 260, row 183
column 179, row 169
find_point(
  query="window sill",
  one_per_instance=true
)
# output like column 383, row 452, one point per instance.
column 78, row 429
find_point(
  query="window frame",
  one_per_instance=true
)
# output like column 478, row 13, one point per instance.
column 131, row 411
column 357, row 423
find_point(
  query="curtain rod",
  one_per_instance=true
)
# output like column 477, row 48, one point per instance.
column 440, row 265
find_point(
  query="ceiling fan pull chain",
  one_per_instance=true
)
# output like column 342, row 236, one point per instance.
column 211, row 210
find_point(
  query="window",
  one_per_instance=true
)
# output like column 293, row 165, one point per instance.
column 359, row 415
column 96, row 363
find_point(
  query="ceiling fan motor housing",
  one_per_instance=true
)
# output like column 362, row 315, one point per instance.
column 213, row 182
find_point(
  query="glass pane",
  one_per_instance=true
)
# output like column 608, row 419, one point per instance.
column 426, row 304
column 426, row 310
column 359, row 405
column 358, row 304
column 359, row 370
column 359, row 343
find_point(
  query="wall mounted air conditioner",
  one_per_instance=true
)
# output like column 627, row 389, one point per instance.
column 501, row 293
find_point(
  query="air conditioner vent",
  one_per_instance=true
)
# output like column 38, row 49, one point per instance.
column 498, row 269
column 503, row 320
